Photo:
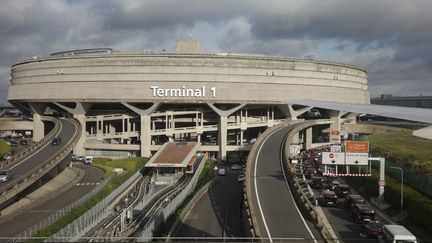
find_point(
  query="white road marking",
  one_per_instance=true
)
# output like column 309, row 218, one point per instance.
column 61, row 126
column 295, row 204
column 256, row 190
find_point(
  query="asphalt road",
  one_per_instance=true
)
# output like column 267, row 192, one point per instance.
column 44, row 208
column 67, row 131
column 275, row 207
column 217, row 212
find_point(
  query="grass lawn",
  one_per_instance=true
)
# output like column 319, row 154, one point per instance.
column 131, row 164
column 4, row 148
column 404, row 149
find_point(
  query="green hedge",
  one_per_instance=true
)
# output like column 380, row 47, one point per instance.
column 4, row 148
column 113, row 183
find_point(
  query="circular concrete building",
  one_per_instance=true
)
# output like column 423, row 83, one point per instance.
column 130, row 103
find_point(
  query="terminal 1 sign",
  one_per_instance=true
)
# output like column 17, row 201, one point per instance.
column 183, row 92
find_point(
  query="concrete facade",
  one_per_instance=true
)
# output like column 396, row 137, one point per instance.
column 178, row 96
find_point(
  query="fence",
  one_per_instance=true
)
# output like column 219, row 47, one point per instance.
column 34, row 147
column 163, row 213
column 54, row 217
column 418, row 181
column 94, row 216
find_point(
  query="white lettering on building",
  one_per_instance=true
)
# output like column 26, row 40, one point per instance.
column 182, row 92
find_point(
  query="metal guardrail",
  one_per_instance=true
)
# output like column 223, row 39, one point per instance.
column 95, row 215
column 36, row 173
column 164, row 212
column 23, row 236
column 326, row 230
column 250, row 161
column 23, row 154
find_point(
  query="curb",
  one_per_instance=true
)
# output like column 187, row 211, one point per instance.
column 187, row 208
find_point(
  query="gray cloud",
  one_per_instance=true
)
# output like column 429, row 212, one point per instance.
column 390, row 38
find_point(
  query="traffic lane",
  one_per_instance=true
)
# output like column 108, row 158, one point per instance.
column 279, row 209
column 343, row 224
column 44, row 208
column 67, row 131
column 92, row 178
column 217, row 212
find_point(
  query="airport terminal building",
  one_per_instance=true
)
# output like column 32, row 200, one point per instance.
column 130, row 104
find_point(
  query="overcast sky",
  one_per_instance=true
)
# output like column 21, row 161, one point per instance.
column 392, row 39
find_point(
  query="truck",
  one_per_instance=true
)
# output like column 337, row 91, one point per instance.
column 396, row 233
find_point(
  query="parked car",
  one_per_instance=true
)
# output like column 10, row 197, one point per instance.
column 342, row 190
column 361, row 212
column 372, row 228
column 351, row 200
column 221, row 172
column 24, row 142
column 328, row 198
column 88, row 160
column 7, row 156
column 5, row 175
column 236, row 167
column 316, row 182
column 13, row 143
column 334, row 184
column 56, row 141
column 241, row 178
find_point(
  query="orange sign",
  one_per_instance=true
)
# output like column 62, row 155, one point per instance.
column 334, row 133
column 357, row 147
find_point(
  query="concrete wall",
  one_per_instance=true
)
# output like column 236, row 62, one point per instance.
column 128, row 77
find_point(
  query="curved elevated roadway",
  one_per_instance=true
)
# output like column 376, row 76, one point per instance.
column 277, row 214
column 28, row 166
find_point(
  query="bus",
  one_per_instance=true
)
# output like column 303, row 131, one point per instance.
column 396, row 234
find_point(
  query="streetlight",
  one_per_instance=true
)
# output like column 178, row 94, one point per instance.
column 398, row 168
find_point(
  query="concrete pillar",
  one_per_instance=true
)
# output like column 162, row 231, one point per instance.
column 308, row 138
column 295, row 138
column 145, row 136
column 111, row 128
column 223, row 122
column 79, row 146
column 241, row 137
column 38, row 128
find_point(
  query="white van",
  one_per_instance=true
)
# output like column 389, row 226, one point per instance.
column 88, row 160
column 396, row 233
column 221, row 172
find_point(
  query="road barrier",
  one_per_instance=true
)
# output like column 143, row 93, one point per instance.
column 25, row 235
column 95, row 215
column 36, row 173
column 249, row 176
column 20, row 156
column 321, row 220
column 164, row 212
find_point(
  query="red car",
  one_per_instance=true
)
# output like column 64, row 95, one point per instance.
column 371, row 228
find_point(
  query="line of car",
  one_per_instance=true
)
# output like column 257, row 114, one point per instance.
column 234, row 167
column 331, row 189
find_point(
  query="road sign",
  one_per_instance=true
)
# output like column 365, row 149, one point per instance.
column 356, row 158
column 357, row 146
column 333, row 158
column 381, row 183
column 335, row 148
column 295, row 149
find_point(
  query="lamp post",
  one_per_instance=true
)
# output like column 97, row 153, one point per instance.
column 398, row 168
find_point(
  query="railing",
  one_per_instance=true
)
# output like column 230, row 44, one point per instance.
column 23, row 154
column 36, row 173
column 95, row 215
column 164, row 212
column 23, row 236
